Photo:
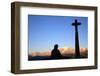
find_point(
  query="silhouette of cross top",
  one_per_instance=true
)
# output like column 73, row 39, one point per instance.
column 76, row 23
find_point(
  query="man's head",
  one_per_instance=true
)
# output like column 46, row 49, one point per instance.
column 56, row 46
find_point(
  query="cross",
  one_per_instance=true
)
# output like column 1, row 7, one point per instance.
column 76, row 23
column 77, row 49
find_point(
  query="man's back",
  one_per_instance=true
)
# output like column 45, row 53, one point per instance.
column 55, row 52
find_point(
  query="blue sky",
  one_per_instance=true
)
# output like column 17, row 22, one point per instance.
column 46, row 31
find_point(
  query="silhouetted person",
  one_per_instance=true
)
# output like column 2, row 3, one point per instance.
column 55, row 52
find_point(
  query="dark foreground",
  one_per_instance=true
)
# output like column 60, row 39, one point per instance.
column 30, row 58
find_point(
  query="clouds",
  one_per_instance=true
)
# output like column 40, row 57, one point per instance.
column 70, row 52
column 65, row 51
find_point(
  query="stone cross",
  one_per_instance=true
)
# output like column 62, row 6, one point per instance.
column 77, row 49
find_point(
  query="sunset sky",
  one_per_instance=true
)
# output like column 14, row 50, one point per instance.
column 46, row 31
